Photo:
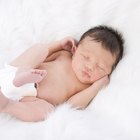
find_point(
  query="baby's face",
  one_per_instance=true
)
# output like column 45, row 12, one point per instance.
column 91, row 61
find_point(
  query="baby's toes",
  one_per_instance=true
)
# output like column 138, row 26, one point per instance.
column 43, row 73
column 35, row 71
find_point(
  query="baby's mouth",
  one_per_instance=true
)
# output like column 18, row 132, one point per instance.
column 84, row 73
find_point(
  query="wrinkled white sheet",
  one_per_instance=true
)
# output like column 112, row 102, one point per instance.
column 115, row 112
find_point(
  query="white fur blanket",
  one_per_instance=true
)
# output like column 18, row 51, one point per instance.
column 115, row 112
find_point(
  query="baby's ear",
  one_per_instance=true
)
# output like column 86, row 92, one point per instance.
column 73, row 49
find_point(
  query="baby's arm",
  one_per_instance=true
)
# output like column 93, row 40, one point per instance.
column 37, row 54
column 83, row 98
column 29, row 109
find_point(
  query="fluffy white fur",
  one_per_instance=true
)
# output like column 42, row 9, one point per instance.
column 115, row 112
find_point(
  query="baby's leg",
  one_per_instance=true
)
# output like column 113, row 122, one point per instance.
column 29, row 76
column 30, row 109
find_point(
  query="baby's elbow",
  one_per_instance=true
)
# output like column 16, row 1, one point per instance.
column 75, row 105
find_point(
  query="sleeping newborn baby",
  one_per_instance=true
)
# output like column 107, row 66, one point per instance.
column 75, row 77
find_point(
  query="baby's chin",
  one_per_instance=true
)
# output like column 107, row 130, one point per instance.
column 86, row 81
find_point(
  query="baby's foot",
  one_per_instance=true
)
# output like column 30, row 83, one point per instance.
column 3, row 101
column 29, row 76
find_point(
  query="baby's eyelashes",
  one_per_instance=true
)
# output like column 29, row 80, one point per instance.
column 86, row 57
column 100, row 67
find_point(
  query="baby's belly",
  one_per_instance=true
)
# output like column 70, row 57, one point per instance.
column 53, row 88
column 51, row 94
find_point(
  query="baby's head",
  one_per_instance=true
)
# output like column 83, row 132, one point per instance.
column 97, row 54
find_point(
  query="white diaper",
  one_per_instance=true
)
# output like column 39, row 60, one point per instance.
column 7, row 75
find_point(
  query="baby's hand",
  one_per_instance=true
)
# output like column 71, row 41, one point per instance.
column 103, row 82
column 68, row 43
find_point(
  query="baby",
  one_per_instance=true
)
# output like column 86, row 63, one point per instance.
column 74, row 76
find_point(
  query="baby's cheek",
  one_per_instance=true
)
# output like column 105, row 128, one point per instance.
column 97, row 76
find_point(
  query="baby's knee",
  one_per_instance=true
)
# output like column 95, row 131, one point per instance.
column 40, row 115
column 45, row 110
column 49, row 109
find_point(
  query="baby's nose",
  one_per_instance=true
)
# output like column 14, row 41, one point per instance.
column 88, row 69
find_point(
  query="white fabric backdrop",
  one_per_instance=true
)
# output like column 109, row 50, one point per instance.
column 114, row 113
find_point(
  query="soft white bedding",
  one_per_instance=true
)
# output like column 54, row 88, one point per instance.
column 115, row 112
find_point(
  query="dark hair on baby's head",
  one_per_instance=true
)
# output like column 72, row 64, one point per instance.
column 110, row 38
